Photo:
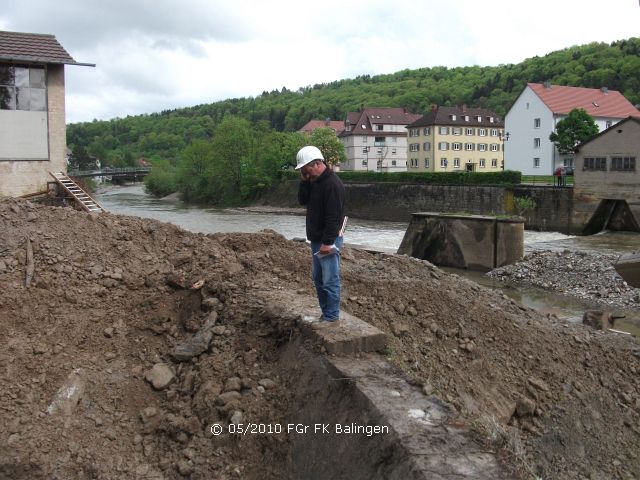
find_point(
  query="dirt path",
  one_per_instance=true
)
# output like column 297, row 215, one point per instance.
column 111, row 313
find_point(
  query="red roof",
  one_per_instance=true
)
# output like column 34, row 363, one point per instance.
column 311, row 125
column 33, row 47
column 361, row 122
column 596, row 102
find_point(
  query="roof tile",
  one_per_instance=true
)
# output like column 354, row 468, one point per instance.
column 32, row 47
column 596, row 102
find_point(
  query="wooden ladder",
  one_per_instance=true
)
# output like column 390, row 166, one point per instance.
column 85, row 200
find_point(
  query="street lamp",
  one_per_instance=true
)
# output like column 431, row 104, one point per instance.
column 504, row 138
column 366, row 152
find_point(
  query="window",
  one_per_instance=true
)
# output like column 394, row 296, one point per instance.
column 466, row 118
column 426, row 146
column 482, row 147
column 456, row 130
column 364, row 127
column 456, row 146
column 393, row 163
column 482, row 132
column 536, row 143
column 490, row 119
column 536, row 123
column 453, row 117
column 494, row 163
column 494, row 132
column 443, row 163
column 22, row 87
column 495, row 147
column 469, row 146
column 443, row 146
column 365, row 150
column 527, row 106
column 414, row 132
column 479, row 118
column 456, row 163
column 364, row 163
column 482, row 163
column 426, row 162
column 379, row 140
column 623, row 164
column 444, row 130
column 414, row 147
column 379, row 127
column 426, row 131
column 365, row 139
column 393, row 151
column 536, row 163
column 595, row 163
column 471, row 131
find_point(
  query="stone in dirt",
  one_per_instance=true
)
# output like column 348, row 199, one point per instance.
column 69, row 394
column 160, row 376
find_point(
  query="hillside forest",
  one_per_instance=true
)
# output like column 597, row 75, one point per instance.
column 170, row 139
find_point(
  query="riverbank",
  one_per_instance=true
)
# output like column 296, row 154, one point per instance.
column 106, row 305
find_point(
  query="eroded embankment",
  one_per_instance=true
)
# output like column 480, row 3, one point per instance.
column 554, row 400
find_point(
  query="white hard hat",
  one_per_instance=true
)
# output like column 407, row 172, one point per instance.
column 307, row 155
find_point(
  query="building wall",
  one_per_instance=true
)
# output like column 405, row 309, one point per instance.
column 520, row 149
column 381, row 155
column 26, row 177
column 591, row 187
column 456, row 160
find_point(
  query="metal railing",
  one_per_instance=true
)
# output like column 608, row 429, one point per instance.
column 110, row 172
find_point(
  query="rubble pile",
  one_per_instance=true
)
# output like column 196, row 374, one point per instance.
column 586, row 275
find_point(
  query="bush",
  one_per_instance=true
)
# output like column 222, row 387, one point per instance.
column 161, row 181
column 507, row 177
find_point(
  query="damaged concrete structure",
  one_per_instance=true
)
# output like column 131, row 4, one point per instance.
column 473, row 242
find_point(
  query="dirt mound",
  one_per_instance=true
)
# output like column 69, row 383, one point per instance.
column 157, row 334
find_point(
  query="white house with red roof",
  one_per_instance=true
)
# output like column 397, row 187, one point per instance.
column 375, row 139
column 536, row 112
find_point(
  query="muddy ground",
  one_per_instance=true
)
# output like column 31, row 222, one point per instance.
column 161, row 332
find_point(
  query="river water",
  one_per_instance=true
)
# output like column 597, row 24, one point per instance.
column 381, row 236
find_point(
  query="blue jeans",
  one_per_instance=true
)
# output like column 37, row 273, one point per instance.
column 326, row 277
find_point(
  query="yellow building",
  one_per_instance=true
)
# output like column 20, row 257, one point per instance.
column 449, row 139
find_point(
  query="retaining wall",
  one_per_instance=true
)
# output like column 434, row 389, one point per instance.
column 397, row 202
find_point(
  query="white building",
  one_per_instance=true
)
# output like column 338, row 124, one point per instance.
column 375, row 139
column 535, row 113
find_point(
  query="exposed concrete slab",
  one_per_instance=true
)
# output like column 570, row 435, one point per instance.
column 347, row 336
column 421, row 440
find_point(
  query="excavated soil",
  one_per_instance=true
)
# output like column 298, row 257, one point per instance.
column 158, row 333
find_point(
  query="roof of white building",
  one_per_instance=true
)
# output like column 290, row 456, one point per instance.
column 596, row 102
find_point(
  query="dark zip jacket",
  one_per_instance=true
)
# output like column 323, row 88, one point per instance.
column 324, row 199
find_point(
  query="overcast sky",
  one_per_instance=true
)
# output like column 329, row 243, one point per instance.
column 153, row 55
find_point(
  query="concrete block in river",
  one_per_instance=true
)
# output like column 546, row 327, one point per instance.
column 474, row 242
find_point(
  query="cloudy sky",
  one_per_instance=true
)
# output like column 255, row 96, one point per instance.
column 153, row 55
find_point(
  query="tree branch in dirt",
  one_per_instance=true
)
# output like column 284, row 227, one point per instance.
column 30, row 268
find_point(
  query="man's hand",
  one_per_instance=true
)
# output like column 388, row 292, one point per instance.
column 325, row 248
column 304, row 176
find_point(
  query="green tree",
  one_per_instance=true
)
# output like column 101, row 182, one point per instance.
column 194, row 171
column 577, row 127
column 331, row 147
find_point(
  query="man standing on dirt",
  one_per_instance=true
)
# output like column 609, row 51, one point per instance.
column 323, row 193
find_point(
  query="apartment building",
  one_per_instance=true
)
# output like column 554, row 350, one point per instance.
column 375, row 139
column 537, row 110
column 449, row 139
